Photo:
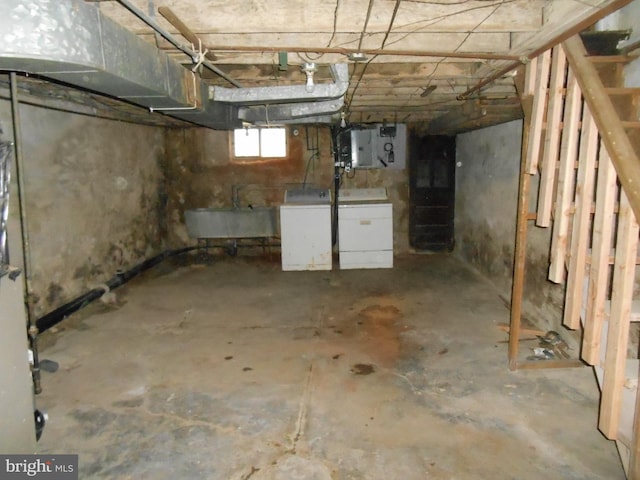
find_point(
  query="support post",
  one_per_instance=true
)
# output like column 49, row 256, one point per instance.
column 520, row 251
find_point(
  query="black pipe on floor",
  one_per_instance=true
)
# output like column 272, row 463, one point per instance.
column 56, row 316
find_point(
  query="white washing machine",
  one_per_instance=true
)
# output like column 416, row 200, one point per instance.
column 365, row 228
column 305, row 229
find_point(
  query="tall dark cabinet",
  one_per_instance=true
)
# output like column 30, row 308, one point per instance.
column 432, row 167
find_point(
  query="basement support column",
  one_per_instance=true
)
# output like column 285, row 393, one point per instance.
column 522, row 219
column 26, row 258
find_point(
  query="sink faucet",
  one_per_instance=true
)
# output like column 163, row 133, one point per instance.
column 235, row 195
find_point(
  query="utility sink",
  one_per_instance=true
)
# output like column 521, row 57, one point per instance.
column 251, row 222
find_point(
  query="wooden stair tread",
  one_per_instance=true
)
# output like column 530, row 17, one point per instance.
column 622, row 90
column 612, row 58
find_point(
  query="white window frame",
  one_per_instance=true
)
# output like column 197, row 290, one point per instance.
column 261, row 149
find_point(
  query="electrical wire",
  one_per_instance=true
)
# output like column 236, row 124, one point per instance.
column 310, row 160
column 393, row 19
column 353, row 92
column 470, row 32
column 335, row 23
column 364, row 69
column 433, row 21
column 366, row 23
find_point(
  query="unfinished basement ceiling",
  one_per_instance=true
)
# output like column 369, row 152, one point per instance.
column 423, row 58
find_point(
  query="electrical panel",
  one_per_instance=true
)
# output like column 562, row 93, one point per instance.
column 379, row 146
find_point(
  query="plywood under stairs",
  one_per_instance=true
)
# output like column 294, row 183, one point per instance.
column 581, row 142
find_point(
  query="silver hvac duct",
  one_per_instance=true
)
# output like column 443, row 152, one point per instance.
column 72, row 42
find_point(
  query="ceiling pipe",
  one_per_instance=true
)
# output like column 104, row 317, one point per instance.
column 368, row 51
column 195, row 56
column 185, row 31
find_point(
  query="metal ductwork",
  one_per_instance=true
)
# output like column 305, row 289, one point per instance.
column 248, row 96
column 70, row 41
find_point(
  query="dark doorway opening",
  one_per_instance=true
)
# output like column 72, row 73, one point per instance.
column 432, row 192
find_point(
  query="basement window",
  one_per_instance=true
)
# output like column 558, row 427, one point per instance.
column 260, row 143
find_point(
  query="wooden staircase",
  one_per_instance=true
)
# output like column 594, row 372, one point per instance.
column 582, row 141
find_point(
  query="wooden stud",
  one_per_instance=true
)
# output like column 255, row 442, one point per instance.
column 520, row 252
column 581, row 221
column 619, row 319
column 566, row 180
column 552, row 138
column 530, row 78
column 537, row 113
column 613, row 135
column 606, row 193
column 540, row 364
column 527, row 331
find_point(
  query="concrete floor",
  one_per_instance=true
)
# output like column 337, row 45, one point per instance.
column 237, row 370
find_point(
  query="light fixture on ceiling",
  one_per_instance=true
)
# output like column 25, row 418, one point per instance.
column 357, row 57
column 343, row 120
column 309, row 69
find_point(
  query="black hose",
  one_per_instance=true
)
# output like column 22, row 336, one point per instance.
column 336, row 192
column 120, row 278
column 337, row 147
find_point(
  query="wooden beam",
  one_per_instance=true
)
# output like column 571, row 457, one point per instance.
column 540, row 364
column 530, row 78
column 613, row 135
column 520, row 250
column 619, row 320
column 611, row 58
column 566, row 180
column 467, row 112
column 595, row 311
column 527, row 331
column 581, row 221
column 537, row 112
column 559, row 37
column 552, row 138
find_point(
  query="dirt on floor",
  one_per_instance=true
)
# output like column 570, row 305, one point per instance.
column 237, row 370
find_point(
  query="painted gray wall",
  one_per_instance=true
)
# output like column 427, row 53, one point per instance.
column 486, row 198
column 95, row 204
column 94, row 199
column 486, row 205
